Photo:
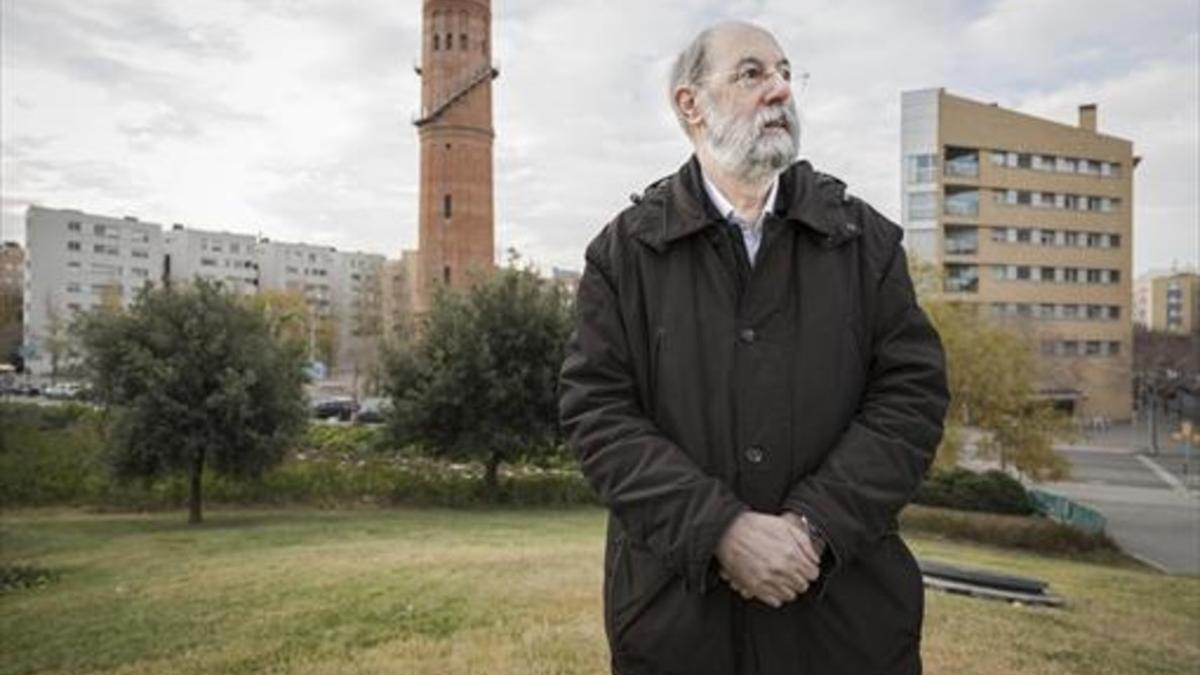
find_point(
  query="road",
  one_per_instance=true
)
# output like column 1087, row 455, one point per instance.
column 1151, row 511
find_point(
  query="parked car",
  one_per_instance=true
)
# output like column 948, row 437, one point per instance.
column 373, row 410
column 65, row 391
column 22, row 389
column 341, row 408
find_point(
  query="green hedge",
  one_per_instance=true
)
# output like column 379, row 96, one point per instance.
column 1007, row 531
column 54, row 456
column 990, row 492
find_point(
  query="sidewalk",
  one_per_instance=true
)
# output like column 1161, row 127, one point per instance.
column 1151, row 504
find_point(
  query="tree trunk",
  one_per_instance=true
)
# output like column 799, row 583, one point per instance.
column 1154, row 424
column 194, row 515
column 491, row 475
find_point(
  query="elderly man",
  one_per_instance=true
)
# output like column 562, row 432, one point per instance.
column 754, row 393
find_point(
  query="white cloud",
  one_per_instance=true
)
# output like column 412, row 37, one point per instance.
column 292, row 118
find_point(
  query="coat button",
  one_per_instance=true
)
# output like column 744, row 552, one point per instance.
column 754, row 454
column 747, row 335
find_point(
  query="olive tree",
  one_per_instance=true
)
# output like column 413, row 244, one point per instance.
column 194, row 379
column 477, row 379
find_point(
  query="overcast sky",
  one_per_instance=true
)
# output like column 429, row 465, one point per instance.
column 292, row 118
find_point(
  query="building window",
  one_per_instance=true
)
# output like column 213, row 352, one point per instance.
column 74, row 226
column 921, row 168
column 962, row 162
column 462, row 41
column 962, row 201
column 139, row 253
column 922, row 206
column 962, row 278
column 446, row 275
column 961, row 239
column 73, row 246
column 446, row 206
column 449, row 41
column 437, row 41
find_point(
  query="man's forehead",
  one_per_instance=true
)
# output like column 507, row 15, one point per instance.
column 732, row 43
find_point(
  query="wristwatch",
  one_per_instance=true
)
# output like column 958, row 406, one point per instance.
column 814, row 533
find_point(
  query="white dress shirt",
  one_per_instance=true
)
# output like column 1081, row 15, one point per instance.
column 751, row 231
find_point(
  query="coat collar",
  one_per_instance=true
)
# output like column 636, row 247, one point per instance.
column 679, row 206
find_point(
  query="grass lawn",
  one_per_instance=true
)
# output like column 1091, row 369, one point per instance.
column 495, row 592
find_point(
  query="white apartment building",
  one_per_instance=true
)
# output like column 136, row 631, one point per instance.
column 76, row 261
column 228, row 259
column 299, row 268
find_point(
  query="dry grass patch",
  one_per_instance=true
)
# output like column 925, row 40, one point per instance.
column 454, row 592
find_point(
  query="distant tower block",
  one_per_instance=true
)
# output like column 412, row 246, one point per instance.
column 457, row 239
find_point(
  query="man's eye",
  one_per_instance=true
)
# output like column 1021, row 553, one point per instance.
column 750, row 74
column 786, row 73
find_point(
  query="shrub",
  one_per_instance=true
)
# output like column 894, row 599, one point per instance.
column 18, row 577
column 55, row 456
column 991, row 492
column 49, row 455
column 1008, row 531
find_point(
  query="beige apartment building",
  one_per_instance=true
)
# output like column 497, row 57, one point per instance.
column 1168, row 302
column 1032, row 220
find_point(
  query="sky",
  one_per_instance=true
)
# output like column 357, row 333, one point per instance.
column 292, row 118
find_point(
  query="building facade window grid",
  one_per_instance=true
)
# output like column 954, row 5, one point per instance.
column 1054, row 163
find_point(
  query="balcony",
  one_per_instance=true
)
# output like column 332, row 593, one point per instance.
column 961, row 240
column 961, row 162
column 961, row 202
column 962, row 279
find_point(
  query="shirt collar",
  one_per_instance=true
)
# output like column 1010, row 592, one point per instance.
column 727, row 211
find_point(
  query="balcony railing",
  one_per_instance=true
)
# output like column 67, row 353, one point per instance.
column 962, row 169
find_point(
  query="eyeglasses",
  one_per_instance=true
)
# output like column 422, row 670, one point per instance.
column 753, row 77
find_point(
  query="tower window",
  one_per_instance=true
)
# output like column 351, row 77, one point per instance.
column 446, row 207
column 462, row 41
column 449, row 41
column 437, row 41
column 446, row 275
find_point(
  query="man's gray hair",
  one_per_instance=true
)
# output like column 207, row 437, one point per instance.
column 690, row 67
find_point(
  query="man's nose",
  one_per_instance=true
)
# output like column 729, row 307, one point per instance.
column 777, row 89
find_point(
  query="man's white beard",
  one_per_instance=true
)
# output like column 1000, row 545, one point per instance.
column 744, row 148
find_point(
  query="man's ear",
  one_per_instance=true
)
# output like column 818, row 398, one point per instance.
column 685, row 102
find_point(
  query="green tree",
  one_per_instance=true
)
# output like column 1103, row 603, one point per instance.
column 993, row 373
column 59, row 341
column 195, row 379
column 478, row 380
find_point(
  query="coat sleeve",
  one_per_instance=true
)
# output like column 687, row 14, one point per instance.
column 662, row 499
column 876, row 465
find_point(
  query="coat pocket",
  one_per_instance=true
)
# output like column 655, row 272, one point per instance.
column 637, row 579
column 658, row 627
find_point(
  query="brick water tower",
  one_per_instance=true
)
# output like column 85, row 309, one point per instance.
column 456, row 238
